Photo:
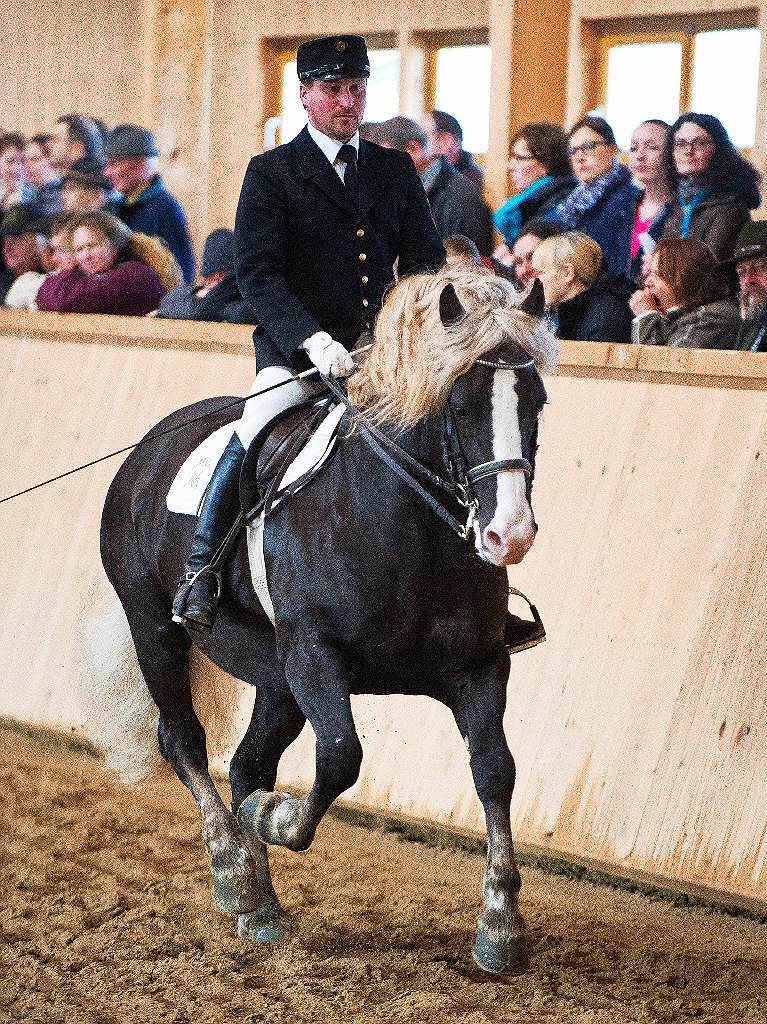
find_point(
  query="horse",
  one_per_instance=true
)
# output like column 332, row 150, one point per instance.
column 377, row 584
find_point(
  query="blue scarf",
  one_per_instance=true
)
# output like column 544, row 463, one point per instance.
column 689, row 195
column 570, row 211
column 508, row 219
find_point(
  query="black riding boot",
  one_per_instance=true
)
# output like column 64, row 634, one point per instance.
column 197, row 598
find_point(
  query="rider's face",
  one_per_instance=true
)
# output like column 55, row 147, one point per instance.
column 335, row 108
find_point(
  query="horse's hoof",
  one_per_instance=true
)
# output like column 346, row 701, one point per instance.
column 262, row 929
column 500, row 956
column 268, row 817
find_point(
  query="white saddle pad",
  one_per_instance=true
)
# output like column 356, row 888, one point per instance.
column 188, row 488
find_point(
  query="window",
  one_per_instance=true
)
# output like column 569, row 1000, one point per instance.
column 462, row 88
column 382, row 93
column 661, row 74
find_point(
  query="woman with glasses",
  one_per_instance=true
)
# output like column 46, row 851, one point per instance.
column 540, row 170
column 604, row 203
column 684, row 300
column 717, row 187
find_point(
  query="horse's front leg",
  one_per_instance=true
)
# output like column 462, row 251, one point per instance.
column 478, row 706
column 318, row 676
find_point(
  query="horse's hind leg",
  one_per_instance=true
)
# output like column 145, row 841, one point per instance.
column 276, row 721
column 163, row 654
column 478, row 706
column 318, row 680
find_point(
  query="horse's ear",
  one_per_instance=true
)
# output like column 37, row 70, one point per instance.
column 450, row 308
column 534, row 303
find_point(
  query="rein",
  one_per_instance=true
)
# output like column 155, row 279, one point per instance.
column 460, row 486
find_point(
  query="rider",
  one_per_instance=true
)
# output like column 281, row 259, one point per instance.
column 321, row 223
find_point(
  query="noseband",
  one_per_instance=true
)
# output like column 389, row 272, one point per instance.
column 460, row 484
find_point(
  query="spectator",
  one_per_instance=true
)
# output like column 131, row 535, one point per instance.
column 85, row 187
column 750, row 262
column 603, row 204
column 54, row 249
column 147, row 206
column 18, row 231
column 583, row 301
column 218, row 296
column 118, row 271
column 717, row 187
column 683, row 302
column 647, row 162
column 456, row 205
column 44, row 182
column 445, row 137
column 535, row 232
column 13, row 187
column 75, row 137
column 540, row 170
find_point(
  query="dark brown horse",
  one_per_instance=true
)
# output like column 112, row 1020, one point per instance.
column 376, row 585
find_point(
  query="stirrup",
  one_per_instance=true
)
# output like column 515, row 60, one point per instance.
column 521, row 634
column 182, row 596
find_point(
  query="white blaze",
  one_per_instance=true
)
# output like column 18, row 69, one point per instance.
column 510, row 532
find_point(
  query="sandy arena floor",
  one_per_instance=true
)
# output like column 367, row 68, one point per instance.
column 106, row 917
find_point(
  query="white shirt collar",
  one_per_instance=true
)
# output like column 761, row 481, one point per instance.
column 330, row 147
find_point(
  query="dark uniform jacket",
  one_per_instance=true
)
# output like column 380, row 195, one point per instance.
column 309, row 260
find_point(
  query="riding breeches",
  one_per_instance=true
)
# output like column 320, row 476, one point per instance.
column 258, row 410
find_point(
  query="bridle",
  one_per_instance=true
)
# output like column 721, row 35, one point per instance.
column 462, row 478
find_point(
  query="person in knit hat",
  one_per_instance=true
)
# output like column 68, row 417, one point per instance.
column 217, row 297
column 717, row 187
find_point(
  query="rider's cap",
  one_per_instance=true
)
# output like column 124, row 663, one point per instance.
column 332, row 57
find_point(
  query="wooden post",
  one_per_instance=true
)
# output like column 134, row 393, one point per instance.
column 529, row 65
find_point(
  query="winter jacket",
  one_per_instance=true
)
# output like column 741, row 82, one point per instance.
column 222, row 303
column 752, row 336
column 459, row 209
column 716, row 220
column 714, row 325
column 157, row 213
column 610, row 222
column 130, row 288
column 600, row 313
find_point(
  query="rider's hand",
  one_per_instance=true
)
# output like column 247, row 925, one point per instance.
column 330, row 357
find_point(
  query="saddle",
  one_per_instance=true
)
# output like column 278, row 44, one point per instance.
column 287, row 454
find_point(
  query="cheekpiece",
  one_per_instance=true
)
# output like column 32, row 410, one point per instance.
column 332, row 57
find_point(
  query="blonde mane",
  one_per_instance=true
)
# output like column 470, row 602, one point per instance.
column 415, row 359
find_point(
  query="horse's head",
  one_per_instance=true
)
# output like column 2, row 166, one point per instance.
column 494, row 407
column 454, row 350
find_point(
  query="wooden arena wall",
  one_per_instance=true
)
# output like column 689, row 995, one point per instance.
column 638, row 728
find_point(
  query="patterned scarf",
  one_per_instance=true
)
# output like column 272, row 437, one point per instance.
column 588, row 194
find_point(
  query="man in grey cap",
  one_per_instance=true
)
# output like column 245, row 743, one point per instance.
column 750, row 264
column 321, row 223
column 147, row 206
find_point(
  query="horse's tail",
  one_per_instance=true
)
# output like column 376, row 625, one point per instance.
column 120, row 715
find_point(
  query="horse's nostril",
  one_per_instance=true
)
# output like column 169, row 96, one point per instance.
column 492, row 538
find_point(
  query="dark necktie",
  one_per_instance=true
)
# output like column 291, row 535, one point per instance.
column 348, row 154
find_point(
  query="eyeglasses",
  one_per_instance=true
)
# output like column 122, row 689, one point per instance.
column 587, row 147
column 680, row 145
column 520, row 158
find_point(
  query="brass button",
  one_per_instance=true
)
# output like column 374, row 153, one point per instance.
column 364, row 302
column 365, row 279
column 363, row 257
column 360, row 233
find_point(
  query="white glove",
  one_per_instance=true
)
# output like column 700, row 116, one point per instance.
column 330, row 357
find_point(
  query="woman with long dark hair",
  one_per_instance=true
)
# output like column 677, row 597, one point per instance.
column 717, row 187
